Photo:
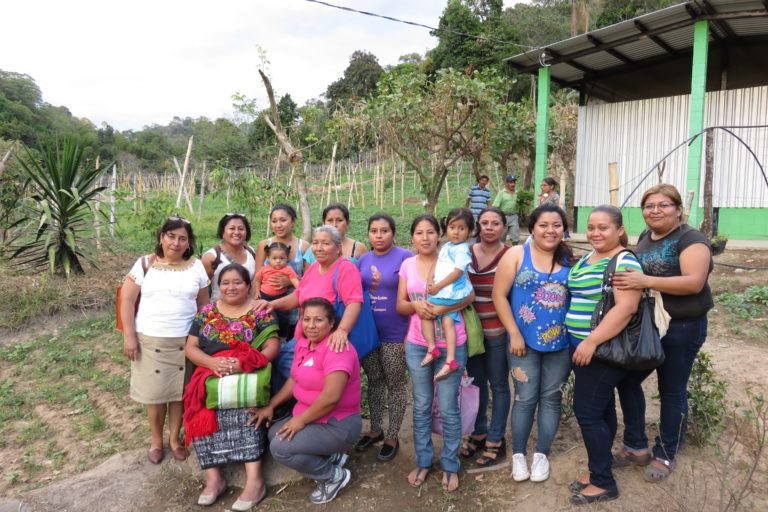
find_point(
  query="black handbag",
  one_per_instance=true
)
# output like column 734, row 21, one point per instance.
column 638, row 346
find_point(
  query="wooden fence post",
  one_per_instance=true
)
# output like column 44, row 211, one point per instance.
column 613, row 182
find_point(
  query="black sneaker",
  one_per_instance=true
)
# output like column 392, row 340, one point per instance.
column 388, row 452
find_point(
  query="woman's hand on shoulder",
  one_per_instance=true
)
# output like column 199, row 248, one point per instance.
column 630, row 279
column 261, row 304
column 339, row 341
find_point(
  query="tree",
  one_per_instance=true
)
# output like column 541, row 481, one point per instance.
column 431, row 124
column 616, row 11
column 63, row 190
column 359, row 79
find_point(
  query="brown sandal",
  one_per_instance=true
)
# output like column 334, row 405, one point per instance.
column 623, row 458
column 660, row 471
column 470, row 446
column 492, row 455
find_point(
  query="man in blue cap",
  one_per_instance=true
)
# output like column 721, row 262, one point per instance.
column 506, row 201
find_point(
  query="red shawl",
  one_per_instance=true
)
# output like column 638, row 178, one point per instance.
column 200, row 421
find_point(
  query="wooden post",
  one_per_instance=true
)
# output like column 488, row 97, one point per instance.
column 402, row 191
column 362, row 186
column 564, row 186
column 613, row 183
column 182, row 188
column 97, row 213
column 112, row 202
column 184, row 174
column 688, row 204
column 140, row 190
column 203, row 179
column 708, row 222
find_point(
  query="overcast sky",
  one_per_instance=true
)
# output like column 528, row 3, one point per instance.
column 137, row 63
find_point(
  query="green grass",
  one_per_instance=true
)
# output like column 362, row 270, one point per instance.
column 748, row 311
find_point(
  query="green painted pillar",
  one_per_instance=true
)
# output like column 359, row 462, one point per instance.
column 696, row 116
column 542, row 126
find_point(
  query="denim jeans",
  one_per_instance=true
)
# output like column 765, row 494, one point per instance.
column 491, row 367
column 281, row 368
column 681, row 345
column 422, row 380
column 538, row 378
column 595, row 408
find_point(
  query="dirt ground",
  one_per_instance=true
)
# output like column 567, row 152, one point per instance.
column 127, row 482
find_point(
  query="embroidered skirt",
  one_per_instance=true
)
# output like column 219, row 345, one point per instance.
column 235, row 441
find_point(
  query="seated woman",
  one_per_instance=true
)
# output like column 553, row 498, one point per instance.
column 228, row 337
column 326, row 418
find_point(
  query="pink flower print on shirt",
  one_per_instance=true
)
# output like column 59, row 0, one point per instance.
column 527, row 314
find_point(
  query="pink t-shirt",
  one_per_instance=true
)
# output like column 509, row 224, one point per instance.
column 309, row 369
column 315, row 284
column 416, row 288
column 266, row 272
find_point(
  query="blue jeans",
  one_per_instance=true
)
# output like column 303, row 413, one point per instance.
column 681, row 345
column 595, row 409
column 538, row 378
column 491, row 367
column 281, row 368
column 422, row 380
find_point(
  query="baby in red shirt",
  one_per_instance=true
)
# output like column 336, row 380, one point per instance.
column 271, row 282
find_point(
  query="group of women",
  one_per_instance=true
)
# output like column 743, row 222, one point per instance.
column 535, row 303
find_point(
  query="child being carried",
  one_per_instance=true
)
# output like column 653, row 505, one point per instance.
column 450, row 286
column 270, row 281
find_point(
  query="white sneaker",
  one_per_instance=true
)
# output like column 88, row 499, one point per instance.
column 539, row 468
column 519, row 468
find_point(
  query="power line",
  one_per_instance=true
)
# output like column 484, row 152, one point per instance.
column 420, row 25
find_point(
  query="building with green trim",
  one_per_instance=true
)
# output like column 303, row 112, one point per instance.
column 647, row 85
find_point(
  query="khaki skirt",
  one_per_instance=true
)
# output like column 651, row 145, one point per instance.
column 157, row 377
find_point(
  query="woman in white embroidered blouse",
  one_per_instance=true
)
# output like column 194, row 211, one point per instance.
column 173, row 285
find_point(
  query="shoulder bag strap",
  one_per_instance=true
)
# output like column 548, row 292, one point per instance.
column 335, row 286
column 217, row 261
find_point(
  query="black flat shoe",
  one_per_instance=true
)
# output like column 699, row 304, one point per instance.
column 366, row 442
column 607, row 495
column 576, row 487
column 388, row 452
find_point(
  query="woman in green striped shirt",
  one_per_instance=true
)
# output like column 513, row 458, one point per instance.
column 593, row 399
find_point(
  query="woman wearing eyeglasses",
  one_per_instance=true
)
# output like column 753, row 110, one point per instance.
column 173, row 285
column 676, row 261
column 235, row 232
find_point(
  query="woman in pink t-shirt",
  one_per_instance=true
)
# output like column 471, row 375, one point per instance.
column 415, row 272
column 318, row 281
column 326, row 419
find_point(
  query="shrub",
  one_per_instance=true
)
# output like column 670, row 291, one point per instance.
column 706, row 401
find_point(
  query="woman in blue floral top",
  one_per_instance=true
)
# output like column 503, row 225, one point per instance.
column 228, row 337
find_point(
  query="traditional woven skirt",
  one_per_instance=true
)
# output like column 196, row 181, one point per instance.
column 235, row 441
column 158, row 375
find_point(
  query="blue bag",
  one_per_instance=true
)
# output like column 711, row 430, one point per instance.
column 364, row 336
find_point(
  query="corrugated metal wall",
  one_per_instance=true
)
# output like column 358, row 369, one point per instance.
column 637, row 134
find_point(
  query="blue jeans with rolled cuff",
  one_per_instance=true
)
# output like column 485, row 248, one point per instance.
column 422, row 381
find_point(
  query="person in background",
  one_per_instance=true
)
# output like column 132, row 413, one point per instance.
column 173, row 285
column 549, row 191
column 326, row 418
column 234, row 231
column 531, row 297
column 677, row 261
column 506, row 201
column 337, row 215
column 478, row 196
column 490, row 367
column 385, row 366
column 595, row 383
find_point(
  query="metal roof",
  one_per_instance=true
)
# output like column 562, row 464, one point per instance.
column 660, row 36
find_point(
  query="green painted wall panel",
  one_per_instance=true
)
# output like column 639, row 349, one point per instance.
column 736, row 223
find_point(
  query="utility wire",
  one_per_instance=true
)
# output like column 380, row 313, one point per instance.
column 420, row 25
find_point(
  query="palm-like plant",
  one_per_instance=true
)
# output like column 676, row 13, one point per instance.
column 63, row 192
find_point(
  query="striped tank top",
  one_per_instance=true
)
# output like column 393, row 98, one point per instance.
column 539, row 303
column 482, row 282
column 585, row 283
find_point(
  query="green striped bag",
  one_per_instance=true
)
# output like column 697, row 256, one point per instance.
column 242, row 389
column 239, row 390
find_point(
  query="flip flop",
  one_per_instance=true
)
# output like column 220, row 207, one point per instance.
column 660, row 472
column 470, row 446
column 419, row 476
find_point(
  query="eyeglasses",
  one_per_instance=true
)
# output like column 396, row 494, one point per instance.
column 182, row 219
column 649, row 207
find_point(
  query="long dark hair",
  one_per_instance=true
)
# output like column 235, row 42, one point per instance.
column 170, row 224
column 336, row 206
column 616, row 217
column 425, row 217
column 230, row 217
column 563, row 252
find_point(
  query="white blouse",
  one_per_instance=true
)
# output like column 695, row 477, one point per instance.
column 168, row 296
